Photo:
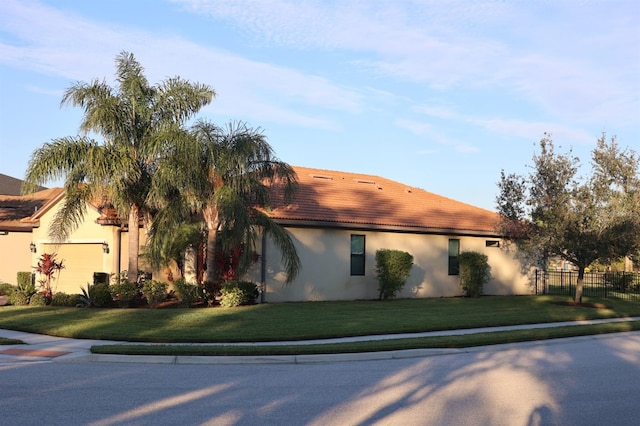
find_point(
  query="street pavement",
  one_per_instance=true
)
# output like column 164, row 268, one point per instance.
column 582, row 381
column 43, row 348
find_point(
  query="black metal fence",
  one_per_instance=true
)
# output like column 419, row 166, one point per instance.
column 614, row 285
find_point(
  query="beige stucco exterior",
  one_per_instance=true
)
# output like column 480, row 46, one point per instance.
column 83, row 252
column 15, row 255
column 325, row 255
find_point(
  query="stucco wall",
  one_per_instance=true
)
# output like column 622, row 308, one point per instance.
column 325, row 275
column 82, row 247
column 85, row 245
column 15, row 255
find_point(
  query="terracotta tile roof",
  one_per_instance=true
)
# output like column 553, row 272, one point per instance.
column 19, row 212
column 336, row 198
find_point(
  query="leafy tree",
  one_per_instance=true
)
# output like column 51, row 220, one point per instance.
column 168, row 243
column 225, row 177
column 554, row 212
column 138, row 123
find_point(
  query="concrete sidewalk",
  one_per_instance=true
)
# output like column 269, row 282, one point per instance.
column 42, row 348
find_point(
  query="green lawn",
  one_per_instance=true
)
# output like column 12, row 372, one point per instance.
column 460, row 341
column 299, row 321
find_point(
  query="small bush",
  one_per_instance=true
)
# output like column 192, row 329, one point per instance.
column 64, row 299
column 238, row 293
column 101, row 295
column 6, row 289
column 475, row 272
column 96, row 295
column 25, row 279
column 127, row 294
column 21, row 295
column 38, row 299
column 19, row 299
column 393, row 268
column 187, row 293
column 619, row 281
column 154, row 291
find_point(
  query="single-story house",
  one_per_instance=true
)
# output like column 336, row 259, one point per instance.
column 338, row 221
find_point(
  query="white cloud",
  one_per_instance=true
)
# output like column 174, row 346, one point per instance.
column 53, row 42
column 556, row 56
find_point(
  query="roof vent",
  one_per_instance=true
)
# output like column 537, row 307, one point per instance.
column 325, row 177
column 408, row 190
column 368, row 182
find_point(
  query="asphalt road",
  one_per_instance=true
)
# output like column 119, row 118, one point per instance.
column 584, row 381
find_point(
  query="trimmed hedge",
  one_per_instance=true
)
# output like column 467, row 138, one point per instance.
column 393, row 268
column 238, row 293
column 475, row 272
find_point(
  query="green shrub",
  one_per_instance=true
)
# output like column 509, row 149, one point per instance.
column 187, row 293
column 238, row 293
column 619, row 281
column 154, row 291
column 25, row 279
column 393, row 268
column 475, row 272
column 21, row 295
column 38, row 299
column 96, row 295
column 19, row 299
column 127, row 294
column 64, row 299
column 6, row 289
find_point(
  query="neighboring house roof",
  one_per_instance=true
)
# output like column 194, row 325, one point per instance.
column 340, row 199
column 12, row 186
column 21, row 212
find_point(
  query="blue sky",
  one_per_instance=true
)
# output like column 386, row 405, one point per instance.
column 440, row 95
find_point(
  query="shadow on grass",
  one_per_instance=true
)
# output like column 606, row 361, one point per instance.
column 302, row 321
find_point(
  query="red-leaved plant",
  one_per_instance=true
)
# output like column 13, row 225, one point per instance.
column 47, row 267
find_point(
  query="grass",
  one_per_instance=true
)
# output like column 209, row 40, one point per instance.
column 300, row 321
column 5, row 341
column 460, row 341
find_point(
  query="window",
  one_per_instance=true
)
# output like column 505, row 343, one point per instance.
column 492, row 243
column 357, row 254
column 454, row 251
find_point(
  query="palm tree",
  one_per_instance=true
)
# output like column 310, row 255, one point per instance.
column 137, row 123
column 228, row 178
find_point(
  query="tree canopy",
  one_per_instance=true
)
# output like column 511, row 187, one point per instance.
column 224, row 178
column 138, row 123
column 554, row 211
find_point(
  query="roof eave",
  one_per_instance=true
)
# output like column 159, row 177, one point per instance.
column 296, row 223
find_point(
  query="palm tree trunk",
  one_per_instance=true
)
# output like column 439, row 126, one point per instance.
column 212, row 220
column 134, row 243
column 579, row 285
